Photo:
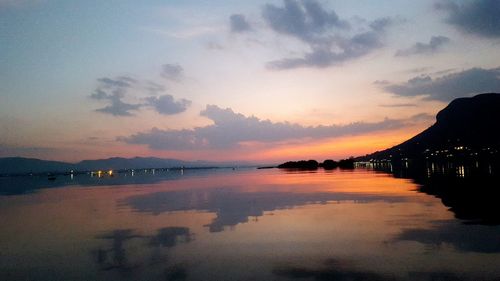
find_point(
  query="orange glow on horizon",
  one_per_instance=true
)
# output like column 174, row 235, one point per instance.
column 339, row 147
column 256, row 152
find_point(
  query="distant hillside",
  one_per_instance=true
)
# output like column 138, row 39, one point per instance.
column 19, row 165
column 129, row 163
column 467, row 127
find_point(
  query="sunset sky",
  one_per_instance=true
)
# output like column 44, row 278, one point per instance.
column 259, row 81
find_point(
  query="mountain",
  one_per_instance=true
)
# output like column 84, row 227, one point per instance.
column 130, row 163
column 20, row 165
column 467, row 127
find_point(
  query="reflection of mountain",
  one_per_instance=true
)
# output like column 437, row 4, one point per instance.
column 233, row 206
column 470, row 191
column 465, row 127
column 473, row 199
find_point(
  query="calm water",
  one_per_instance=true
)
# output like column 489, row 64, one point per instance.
column 242, row 225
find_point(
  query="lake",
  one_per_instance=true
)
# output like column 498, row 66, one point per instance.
column 246, row 224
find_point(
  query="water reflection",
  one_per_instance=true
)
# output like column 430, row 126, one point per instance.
column 466, row 238
column 468, row 189
column 233, row 206
column 168, row 237
column 325, row 225
column 332, row 269
column 177, row 272
column 118, row 253
column 344, row 270
column 115, row 256
column 15, row 185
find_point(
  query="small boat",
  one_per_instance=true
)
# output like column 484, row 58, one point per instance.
column 51, row 177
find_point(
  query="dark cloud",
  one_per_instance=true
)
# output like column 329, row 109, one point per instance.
column 172, row 72
column 229, row 129
column 419, row 48
column 306, row 20
column 166, row 104
column 323, row 31
column 239, row 23
column 119, row 108
column 450, row 86
column 119, row 82
column 114, row 90
column 338, row 50
column 480, row 17
column 381, row 82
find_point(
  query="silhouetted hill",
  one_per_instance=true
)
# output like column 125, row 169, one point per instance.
column 130, row 163
column 20, row 165
column 467, row 127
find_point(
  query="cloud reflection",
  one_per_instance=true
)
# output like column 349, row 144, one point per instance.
column 466, row 238
column 117, row 254
column 232, row 206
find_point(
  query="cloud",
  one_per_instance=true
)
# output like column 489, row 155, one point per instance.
column 230, row 129
column 114, row 90
column 450, row 86
column 417, row 69
column 338, row 50
column 306, row 20
column 419, row 48
column 323, row 32
column 166, row 104
column 239, row 23
column 154, row 88
column 479, row 17
column 119, row 108
column 381, row 82
column 172, row 72
column 119, row 82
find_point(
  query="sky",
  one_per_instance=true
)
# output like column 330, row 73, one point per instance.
column 258, row 81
